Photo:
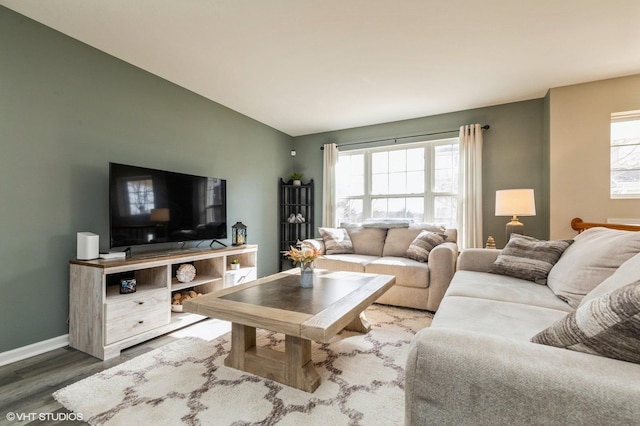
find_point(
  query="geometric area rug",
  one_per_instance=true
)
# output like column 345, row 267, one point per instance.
column 186, row 382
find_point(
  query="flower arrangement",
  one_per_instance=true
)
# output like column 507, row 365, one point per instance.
column 302, row 253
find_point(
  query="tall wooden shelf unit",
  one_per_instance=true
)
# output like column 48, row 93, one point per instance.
column 102, row 321
column 293, row 200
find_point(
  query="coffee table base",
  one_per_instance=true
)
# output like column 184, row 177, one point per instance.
column 293, row 368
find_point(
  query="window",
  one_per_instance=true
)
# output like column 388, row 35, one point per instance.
column 414, row 181
column 140, row 196
column 625, row 154
column 214, row 207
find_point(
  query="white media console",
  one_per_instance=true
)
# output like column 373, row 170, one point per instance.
column 102, row 321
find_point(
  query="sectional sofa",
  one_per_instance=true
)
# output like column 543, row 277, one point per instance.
column 543, row 333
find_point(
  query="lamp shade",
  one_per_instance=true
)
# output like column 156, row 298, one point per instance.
column 160, row 215
column 515, row 202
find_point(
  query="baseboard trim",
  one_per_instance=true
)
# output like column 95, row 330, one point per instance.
column 34, row 349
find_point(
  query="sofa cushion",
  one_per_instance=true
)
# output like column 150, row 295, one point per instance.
column 627, row 273
column 607, row 326
column 529, row 258
column 408, row 272
column 336, row 240
column 483, row 285
column 367, row 241
column 399, row 239
column 438, row 229
column 495, row 318
column 345, row 262
column 594, row 256
column 421, row 246
column 451, row 234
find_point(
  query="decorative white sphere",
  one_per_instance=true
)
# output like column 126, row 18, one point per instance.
column 186, row 273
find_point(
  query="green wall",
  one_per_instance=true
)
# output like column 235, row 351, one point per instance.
column 67, row 110
column 515, row 155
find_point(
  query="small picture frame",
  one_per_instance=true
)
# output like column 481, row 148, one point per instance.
column 128, row 286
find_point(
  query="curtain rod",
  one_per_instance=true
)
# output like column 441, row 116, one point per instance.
column 485, row 127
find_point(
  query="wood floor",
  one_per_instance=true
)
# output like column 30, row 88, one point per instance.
column 26, row 386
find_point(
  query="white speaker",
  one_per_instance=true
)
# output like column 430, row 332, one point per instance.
column 88, row 246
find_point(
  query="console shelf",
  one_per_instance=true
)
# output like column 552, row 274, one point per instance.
column 102, row 321
column 197, row 282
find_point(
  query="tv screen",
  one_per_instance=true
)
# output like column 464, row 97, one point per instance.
column 149, row 206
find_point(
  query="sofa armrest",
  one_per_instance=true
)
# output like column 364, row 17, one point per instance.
column 316, row 243
column 477, row 259
column 442, row 265
column 458, row 377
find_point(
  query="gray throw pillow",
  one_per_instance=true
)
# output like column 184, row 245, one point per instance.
column 336, row 241
column 607, row 326
column 421, row 246
column 529, row 258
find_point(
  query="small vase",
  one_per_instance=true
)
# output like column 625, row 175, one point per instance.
column 306, row 275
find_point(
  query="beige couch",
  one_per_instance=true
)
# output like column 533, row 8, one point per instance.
column 477, row 364
column 379, row 250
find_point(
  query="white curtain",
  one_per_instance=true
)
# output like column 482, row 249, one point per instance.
column 470, row 187
column 329, row 185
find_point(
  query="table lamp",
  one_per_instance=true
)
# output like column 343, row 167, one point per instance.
column 160, row 215
column 515, row 202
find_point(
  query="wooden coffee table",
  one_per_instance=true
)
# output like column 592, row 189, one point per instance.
column 279, row 304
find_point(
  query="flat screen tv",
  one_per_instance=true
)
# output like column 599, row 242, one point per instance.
column 148, row 206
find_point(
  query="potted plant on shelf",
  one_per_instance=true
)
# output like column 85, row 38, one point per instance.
column 235, row 264
column 295, row 176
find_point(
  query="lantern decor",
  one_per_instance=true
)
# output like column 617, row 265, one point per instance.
column 239, row 234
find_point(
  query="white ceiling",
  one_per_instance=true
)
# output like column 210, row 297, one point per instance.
column 308, row 66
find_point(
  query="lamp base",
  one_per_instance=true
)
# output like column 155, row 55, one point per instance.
column 514, row 227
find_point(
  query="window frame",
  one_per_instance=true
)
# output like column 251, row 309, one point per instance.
column 139, row 191
column 428, row 195
column 619, row 117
